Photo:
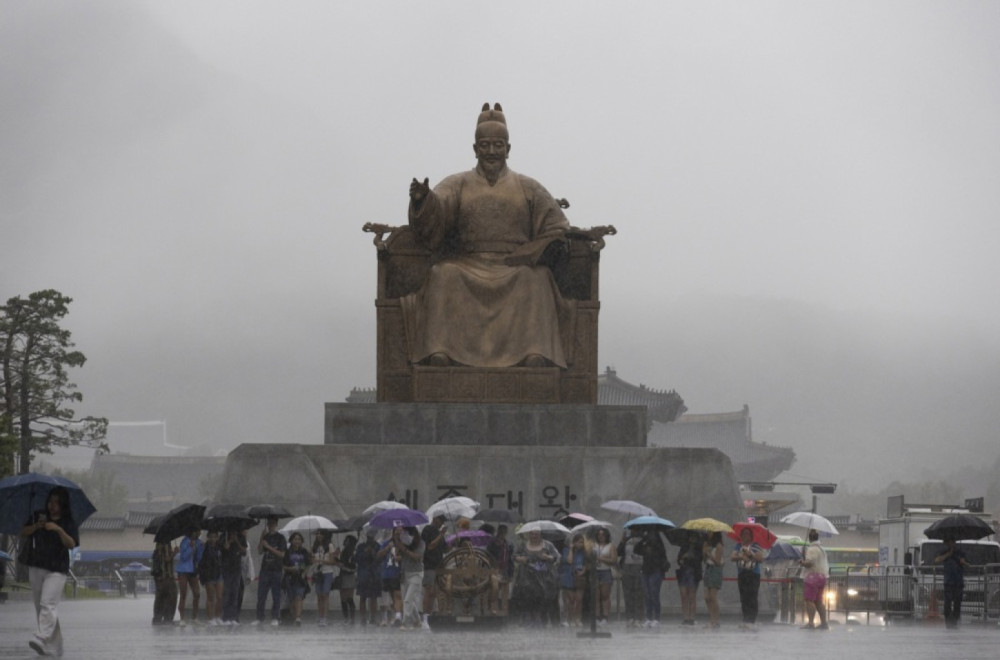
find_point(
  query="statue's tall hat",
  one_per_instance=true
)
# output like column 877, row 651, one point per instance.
column 491, row 122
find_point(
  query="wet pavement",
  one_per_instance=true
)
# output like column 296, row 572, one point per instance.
column 120, row 628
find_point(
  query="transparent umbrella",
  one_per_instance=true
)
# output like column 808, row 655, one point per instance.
column 384, row 505
column 453, row 508
column 810, row 521
column 628, row 507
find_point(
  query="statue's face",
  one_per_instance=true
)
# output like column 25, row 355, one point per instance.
column 491, row 152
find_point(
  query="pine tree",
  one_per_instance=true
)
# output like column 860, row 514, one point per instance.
column 35, row 389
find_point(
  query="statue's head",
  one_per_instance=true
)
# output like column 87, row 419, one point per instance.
column 492, row 144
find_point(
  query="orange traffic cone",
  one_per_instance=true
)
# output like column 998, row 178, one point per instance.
column 933, row 615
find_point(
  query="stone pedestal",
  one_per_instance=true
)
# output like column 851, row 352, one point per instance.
column 340, row 480
column 485, row 424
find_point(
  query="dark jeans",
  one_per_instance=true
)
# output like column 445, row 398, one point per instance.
column 651, row 583
column 749, row 585
column 269, row 581
column 953, row 602
column 634, row 599
column 231, row 595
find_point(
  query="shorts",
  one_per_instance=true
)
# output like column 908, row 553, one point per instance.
column 390, row 584
column 687, row 577
column 713, row 577
column 812, row 587
column 323, row 583
column 430, row 577
column 297, row 591
column 211, row 580
column 189, row 576
column 605, row 577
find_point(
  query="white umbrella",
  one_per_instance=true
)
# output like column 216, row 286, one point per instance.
column 810, row 521
column 453, row 508
column 629, row 507
column 542, row 526
column 384, row 505
column 591, row 527
column 307, row 524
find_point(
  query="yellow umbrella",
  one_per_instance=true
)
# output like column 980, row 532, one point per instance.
column 707, row 525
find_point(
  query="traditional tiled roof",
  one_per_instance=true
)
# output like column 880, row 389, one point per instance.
column 103, row 524
column 362, row 395
column 729, row 432
column 140, row 518
column 663, row 406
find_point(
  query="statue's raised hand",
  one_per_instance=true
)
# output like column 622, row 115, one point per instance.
column 419, row 191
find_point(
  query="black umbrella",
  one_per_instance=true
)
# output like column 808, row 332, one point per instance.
column 352, row 524
column 496, row 515
column 232, row 517
column 959, row 526
column 261, row 511
column 176, row 522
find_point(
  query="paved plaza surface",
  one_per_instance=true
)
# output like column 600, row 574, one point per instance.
column 120, row 628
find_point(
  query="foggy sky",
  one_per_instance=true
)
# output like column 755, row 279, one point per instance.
column 805, row 193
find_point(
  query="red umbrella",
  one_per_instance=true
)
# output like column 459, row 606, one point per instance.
column 762, row 536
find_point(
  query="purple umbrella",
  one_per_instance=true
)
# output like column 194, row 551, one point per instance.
column 476, row 537
column 398, row 518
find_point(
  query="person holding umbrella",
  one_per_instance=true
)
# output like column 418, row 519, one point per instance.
column 654, row 564
column 711, row 551
column 165, row 601
column 953, row 564
column 187, row 573
column 234, row 548
column 48, row 535
column 814, row 580
column 272, row 547
column 433, row 536
column 294, row 565
column 748, row 555
column 210, row 576
column 410, row 547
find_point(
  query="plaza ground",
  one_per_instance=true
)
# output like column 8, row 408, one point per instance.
column 119, row 628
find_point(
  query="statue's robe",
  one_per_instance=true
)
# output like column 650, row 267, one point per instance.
column 489, row 303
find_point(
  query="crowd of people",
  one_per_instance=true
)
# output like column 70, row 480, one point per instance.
column 390, row 578
column 398, row 577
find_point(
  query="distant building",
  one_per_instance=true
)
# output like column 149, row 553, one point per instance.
column 157, row 484
column 729, row 432
column 671, row 426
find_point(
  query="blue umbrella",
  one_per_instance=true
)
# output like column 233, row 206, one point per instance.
column 25, row 493
column 649, row 521
column 134, row 567
column 398, row 518
column 783, row 550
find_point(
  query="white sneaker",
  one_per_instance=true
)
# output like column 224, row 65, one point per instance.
column 425, row 625
column 275, row 622
column 256, row 622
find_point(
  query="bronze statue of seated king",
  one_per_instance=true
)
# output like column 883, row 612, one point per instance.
column 488, row 295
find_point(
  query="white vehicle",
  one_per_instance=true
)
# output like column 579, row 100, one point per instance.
column 912, row 583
